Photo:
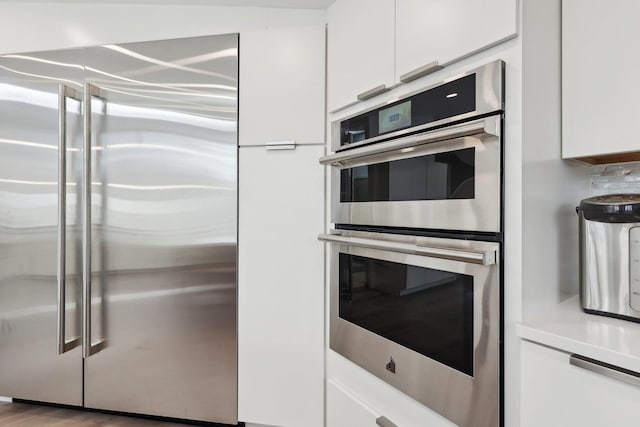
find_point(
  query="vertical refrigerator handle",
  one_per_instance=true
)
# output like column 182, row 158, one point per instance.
column 88, row 347
column 63, row 344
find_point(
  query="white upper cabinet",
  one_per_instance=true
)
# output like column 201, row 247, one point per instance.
column 360, row 49
column 443, row 31
column 600, row 85
column 386, row 42
column 282, row 72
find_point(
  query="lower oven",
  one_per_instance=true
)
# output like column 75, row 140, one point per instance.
column 427, row 312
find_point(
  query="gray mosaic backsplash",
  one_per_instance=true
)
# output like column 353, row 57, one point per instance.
column 615, row 178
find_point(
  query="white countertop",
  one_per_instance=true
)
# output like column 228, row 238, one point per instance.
column 567, row 328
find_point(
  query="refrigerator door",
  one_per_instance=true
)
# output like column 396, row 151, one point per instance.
column 37, row 247
column 164, row 226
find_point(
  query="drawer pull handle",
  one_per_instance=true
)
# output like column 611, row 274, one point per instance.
column 385, row 422
column 372, row 92
column 611, row 371
column 280, row 145
column 429, row 68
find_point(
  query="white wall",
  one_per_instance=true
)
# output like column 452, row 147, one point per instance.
column 552, row 187
column 32, row 26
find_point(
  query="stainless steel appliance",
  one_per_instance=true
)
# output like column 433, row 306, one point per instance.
column 118, row 223
column 415, row 253
column 610, row 255
column 429, row 160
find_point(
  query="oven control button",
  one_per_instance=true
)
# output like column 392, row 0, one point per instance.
column 634, row 268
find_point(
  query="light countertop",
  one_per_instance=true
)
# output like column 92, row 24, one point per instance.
column 566, row 327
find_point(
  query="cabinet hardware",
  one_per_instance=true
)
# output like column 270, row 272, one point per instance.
column 280, row 145
column 372, row 92
column 421, row 71
column 385, row 422
column 602, row 368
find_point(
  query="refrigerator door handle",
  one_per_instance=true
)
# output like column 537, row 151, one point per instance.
column 88, row 347
column 63, row 344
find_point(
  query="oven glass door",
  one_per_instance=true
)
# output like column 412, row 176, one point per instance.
column 451, row 184
column 427, row 310
column 422, row 314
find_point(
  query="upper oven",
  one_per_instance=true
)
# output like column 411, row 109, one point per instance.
column 430, row 160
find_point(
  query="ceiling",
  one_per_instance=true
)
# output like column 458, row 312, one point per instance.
column 288, row 4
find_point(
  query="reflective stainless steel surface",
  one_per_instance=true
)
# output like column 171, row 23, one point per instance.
column 470, row 256
column 385, row 422
column 476, row 127
column 372, row 92
column 489, row 98
column 143, row 228
column 481, row 213
column 30, row 128
column 64, row 92
column 469, row 401
column 88, row 346
column 163, row 228
column 422, row 71
column 606, row 253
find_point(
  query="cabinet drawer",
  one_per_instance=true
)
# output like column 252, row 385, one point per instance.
column 556, row 393
column 344, row 409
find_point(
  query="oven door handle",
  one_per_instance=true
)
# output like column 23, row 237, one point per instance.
column 453, row 254
column 485, row 126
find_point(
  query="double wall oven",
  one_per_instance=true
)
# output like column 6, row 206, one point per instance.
column 415, row 248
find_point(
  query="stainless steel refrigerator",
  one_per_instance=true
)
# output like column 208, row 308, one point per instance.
column 118, row 227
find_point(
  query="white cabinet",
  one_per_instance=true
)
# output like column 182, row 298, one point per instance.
column 282, row 81
column 447, row 30
column 600, row 85
column 555, row 393
column 345, row 409
column 376, row 42
column 360, row 52
column 281, row 287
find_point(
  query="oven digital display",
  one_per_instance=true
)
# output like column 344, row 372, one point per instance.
column 395, row 117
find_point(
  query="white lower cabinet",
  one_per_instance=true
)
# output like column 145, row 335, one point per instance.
column 345, row 409
column 556, row 393
column 281, row 287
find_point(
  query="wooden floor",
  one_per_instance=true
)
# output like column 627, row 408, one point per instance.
column 25, row 415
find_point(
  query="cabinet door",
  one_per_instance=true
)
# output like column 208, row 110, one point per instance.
column 360, row 49
column 282, row 81
column 344, row 409
column 600, row 69
column 555, row 393
column 281, row 287
column 446, row 30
